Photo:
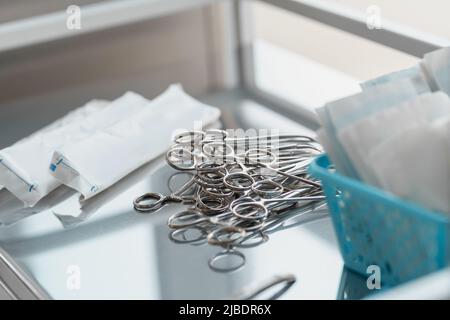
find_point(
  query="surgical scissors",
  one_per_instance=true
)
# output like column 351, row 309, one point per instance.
column 190, row 144
column 227, row 153
column 145, row 204
column 212, row 178
column 251, row 209
column 195, row 218
column 255, row 292
column 238, row 192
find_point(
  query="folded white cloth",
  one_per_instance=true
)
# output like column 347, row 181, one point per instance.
column 361, row 137
column 24, row 167
column 396, row 133
column 414, row 164
column 337, row 115
column 93, row 164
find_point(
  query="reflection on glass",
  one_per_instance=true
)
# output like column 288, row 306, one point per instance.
column 353, row 286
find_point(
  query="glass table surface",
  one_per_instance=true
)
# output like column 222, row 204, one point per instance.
column 109, row 251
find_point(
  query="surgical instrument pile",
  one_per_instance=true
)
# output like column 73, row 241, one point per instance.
column 241, row 188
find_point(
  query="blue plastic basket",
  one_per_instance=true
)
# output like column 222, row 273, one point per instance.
column 374, row 227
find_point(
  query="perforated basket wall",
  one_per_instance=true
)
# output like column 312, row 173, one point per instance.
column 377, row 228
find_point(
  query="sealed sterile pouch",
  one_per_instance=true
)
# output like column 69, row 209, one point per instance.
column 73, row 116
column 24, row 167
column 417, row 74
column 326, row 137
column 94, row 164
column 348, row 110
column 323, row 139
column 360, row 137
column 77, row 115
column 437, row 64
column 414, row 164
column 336, row 115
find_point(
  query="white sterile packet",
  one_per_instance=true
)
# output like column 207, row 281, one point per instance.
column 437, row 64
column 414, row 164
column 417, row 74
column 360, row 137
column 73, row 116
column 94, row 164
column 77, row 115
column 336, row 115
column 24, row 167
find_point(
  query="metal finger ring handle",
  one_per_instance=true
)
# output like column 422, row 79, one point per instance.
column 140, row 205
column 214, row 262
